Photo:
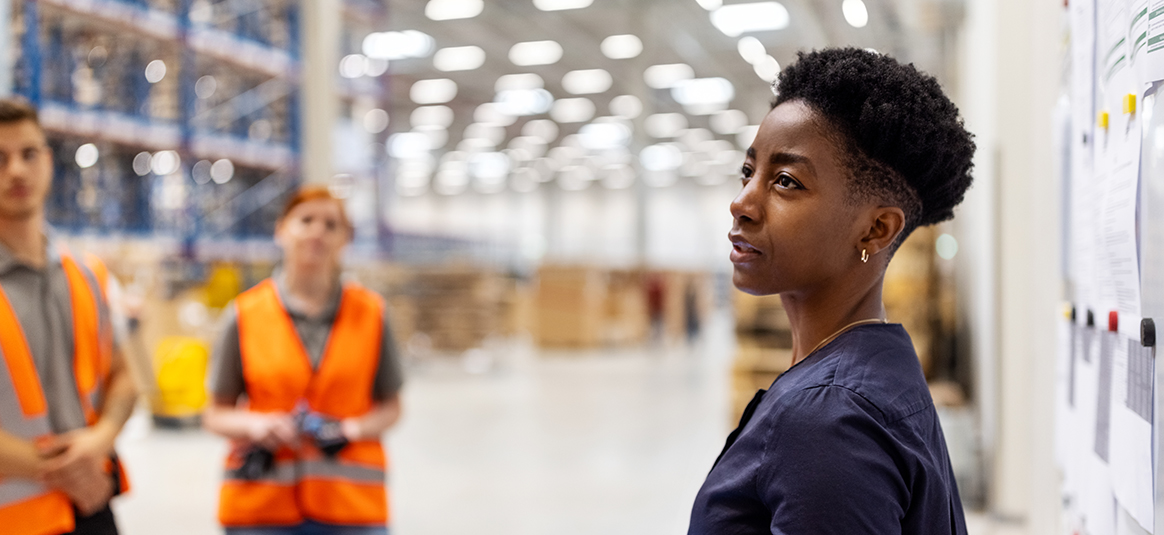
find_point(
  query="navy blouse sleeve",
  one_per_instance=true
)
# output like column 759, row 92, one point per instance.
column 830, row 467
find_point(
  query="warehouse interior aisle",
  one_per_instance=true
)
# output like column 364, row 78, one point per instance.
column 511, row 440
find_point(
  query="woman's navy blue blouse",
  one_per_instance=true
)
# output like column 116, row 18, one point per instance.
column 847, row 441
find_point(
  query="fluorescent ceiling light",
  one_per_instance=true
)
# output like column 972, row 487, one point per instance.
column 704, row 108
column 408, row 145
column 729, row 122
column 699, row 91
column 527, row 148
column 165, row 162
column 518, row 81
column 604, row 136
column 855, row 13
column 621, row 46
column 490, row 169
column 521, row 102
column 141, row 163
column 375, row 67
column 435, row 91
column 375, row 120
column 353, row 65
column 222, row 171
column 87, row 155
column 736, row 19
column 437, row 136
column 618, row 176
column 565, row 154
column 693, row 138
column 441, row 116
column 458, row 58
column 746, row 136
column 535, row 53
column 490, row 113
column 665, row 125
column 628, row 106
column 543, row 129
column 398, row 45
column 661, row 157
column 559, row 5
column 155, row 71
column 751, row 49
column 587, row 81
column 490, row 133
column 667, row 75
column 453, row 9
column 572, row 110
column 767, row 69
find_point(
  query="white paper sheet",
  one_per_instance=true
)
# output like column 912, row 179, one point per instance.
column 1083, row 139
column 1116, row 285
column 1150, row 58
column 1126, row 525
column 1064, row 412
column 1093, row 483
column 1131, row 430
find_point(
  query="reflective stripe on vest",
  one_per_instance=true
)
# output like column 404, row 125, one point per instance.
column 28, row 507
column 304, row 484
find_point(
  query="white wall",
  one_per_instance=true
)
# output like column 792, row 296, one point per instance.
column 1010, row 228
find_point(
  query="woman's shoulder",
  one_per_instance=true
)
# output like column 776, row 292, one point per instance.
column 877, row 365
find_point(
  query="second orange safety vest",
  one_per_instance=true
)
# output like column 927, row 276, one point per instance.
column 26, row 506
column 305, row 484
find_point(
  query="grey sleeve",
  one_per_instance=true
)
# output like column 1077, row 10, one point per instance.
column 389, row 375
column 225, row 380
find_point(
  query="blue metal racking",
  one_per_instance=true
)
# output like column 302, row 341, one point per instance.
column 256, row 46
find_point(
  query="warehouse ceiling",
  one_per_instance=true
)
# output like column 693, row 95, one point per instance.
column 670, row 31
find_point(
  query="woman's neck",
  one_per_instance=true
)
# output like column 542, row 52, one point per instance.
column 24, row 238
column 309, row 287
column 814, row 316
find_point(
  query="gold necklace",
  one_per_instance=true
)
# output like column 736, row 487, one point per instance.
column 841, row 331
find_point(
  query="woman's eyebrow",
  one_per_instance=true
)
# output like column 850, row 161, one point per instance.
column 788, row 158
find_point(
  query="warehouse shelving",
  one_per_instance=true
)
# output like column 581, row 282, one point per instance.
column 131, row 115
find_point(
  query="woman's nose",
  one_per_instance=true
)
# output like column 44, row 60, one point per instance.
column 745, row 207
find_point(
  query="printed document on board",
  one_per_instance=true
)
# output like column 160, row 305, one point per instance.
column 1131, row 429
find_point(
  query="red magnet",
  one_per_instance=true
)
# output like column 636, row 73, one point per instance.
column 1113, row 321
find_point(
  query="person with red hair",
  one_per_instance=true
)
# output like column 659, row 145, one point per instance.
column 305, row 382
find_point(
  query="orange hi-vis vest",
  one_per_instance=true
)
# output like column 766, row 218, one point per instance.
column 304, row 484
column 27, row 507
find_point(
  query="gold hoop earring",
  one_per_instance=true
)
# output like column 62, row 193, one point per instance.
column 864, row 256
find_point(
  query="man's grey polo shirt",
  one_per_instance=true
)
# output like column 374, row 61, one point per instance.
column 40, row 297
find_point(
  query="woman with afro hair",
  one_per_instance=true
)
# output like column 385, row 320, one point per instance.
column 857, row 151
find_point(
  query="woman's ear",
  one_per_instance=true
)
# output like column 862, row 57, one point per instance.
column 886, row 225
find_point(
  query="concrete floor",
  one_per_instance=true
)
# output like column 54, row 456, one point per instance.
column 506, row 441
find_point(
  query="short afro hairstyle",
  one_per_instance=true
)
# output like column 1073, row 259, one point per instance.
column 902, row 136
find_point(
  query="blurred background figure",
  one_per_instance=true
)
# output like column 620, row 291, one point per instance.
column 306, row 381
column 67, row 391
column 539, row 190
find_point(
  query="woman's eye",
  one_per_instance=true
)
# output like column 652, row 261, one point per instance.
column 786, row 182
column 745, row 173
column 331, row 225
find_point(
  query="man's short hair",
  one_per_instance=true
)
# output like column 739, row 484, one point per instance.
column 16, row 110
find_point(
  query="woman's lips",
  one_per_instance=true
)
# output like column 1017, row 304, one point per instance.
column 742, row 251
